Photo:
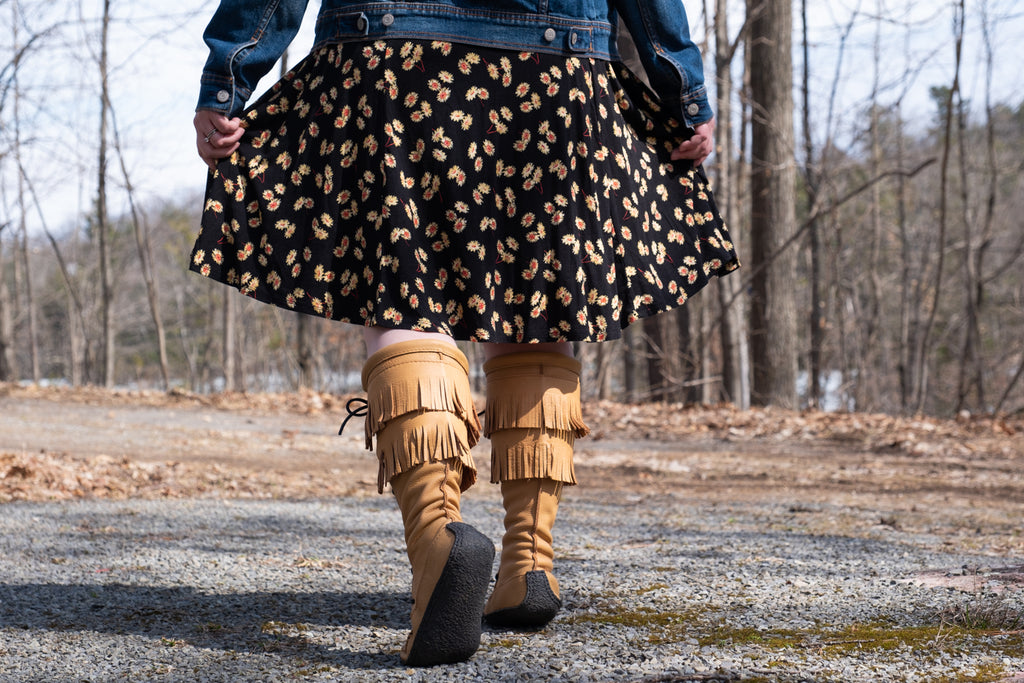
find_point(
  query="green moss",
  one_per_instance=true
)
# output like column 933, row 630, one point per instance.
column 776, row 639
column 504, row 643
column 708, row 628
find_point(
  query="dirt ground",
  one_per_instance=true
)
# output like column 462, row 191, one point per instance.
column 958, row 480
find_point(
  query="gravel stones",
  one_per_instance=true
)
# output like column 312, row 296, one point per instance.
column 654, row 590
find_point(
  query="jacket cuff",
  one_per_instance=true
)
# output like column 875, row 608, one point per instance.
column 221, row 94
column 696, row 108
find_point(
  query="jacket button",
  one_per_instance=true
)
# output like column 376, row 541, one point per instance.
column 693, row 109
column 388, row 19
column 223, row 96
column 550, row 34
column 361, row 24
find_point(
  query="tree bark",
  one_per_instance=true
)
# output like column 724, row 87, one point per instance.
column 735, row 354
column 654, row 353
column 102, row 227
column 908, row 312
column 304, row 350
column 23, row 250
column 773, row 213
column 816, row 319
column 145, row 261
column 971, row 366
column 8, row 357
column 925, row 340
column 691, row 388
column 629, row 374
column 869, row 362
column 231, row 355
column 76, row 316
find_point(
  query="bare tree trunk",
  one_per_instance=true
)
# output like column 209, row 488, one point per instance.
column 8, row 357
column 689, row 366
column 990, row 160
column 735, row 369
column 773, row 214
column 925, row 341
column 304, row 350
column 998, row 410
column 971, row 370
column 868, row 367
column 102, row 227
column 145, row 260
column 653, row 340
column 816, row 321
column 910, row 281
column 907, row 280
column 629, row 375
column 23, row 252
column 30, row 299
column 969, row 373
column 231, row 356
column 602, row 381
column 76, row 316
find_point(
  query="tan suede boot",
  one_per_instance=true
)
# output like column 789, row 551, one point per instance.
column 526, row 593
column 421, row 411
column 420, row 408
column 533, row 418
column 451, row 566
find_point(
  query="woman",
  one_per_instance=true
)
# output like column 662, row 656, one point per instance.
column 452, row 169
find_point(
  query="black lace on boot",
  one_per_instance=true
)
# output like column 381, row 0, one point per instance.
column 363, row 407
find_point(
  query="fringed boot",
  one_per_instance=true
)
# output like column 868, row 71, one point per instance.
column 420, row 409
column 533, row 417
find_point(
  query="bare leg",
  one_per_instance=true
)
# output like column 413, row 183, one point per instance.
column 376, row 338
column 495, row 350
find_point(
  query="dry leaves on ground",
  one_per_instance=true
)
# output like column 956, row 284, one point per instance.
column 60, row 476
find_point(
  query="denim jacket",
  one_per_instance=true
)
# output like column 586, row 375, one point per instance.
column 246, row 38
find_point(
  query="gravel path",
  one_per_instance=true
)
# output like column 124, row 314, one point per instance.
column 656, row 589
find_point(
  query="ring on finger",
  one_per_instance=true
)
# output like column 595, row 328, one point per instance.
column 210, row 134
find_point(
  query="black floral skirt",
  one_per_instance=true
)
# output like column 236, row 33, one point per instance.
column 488, row 195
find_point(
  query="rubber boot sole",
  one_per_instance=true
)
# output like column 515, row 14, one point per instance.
column 538, row 608
column 451, row 626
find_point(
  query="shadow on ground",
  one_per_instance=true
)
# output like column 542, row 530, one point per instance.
column 246, row 622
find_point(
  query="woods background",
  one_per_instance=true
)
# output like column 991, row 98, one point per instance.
column 882, row 249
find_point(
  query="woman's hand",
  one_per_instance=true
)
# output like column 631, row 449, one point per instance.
column 217, row 136
column 700, row 146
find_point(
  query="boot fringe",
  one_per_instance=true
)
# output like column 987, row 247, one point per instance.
column 419, row 406
column 414, row 394
column 536, row 458
column 556, row 410
column 539, row 390
column 431, row 436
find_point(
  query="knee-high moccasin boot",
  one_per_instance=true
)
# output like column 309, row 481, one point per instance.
column 533, row 418
column 451, row 565
column 421, row 412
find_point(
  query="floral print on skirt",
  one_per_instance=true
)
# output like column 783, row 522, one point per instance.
column 485, row 194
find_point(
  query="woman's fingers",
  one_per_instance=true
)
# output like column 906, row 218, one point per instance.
column 699, row 147
column 217, row 136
